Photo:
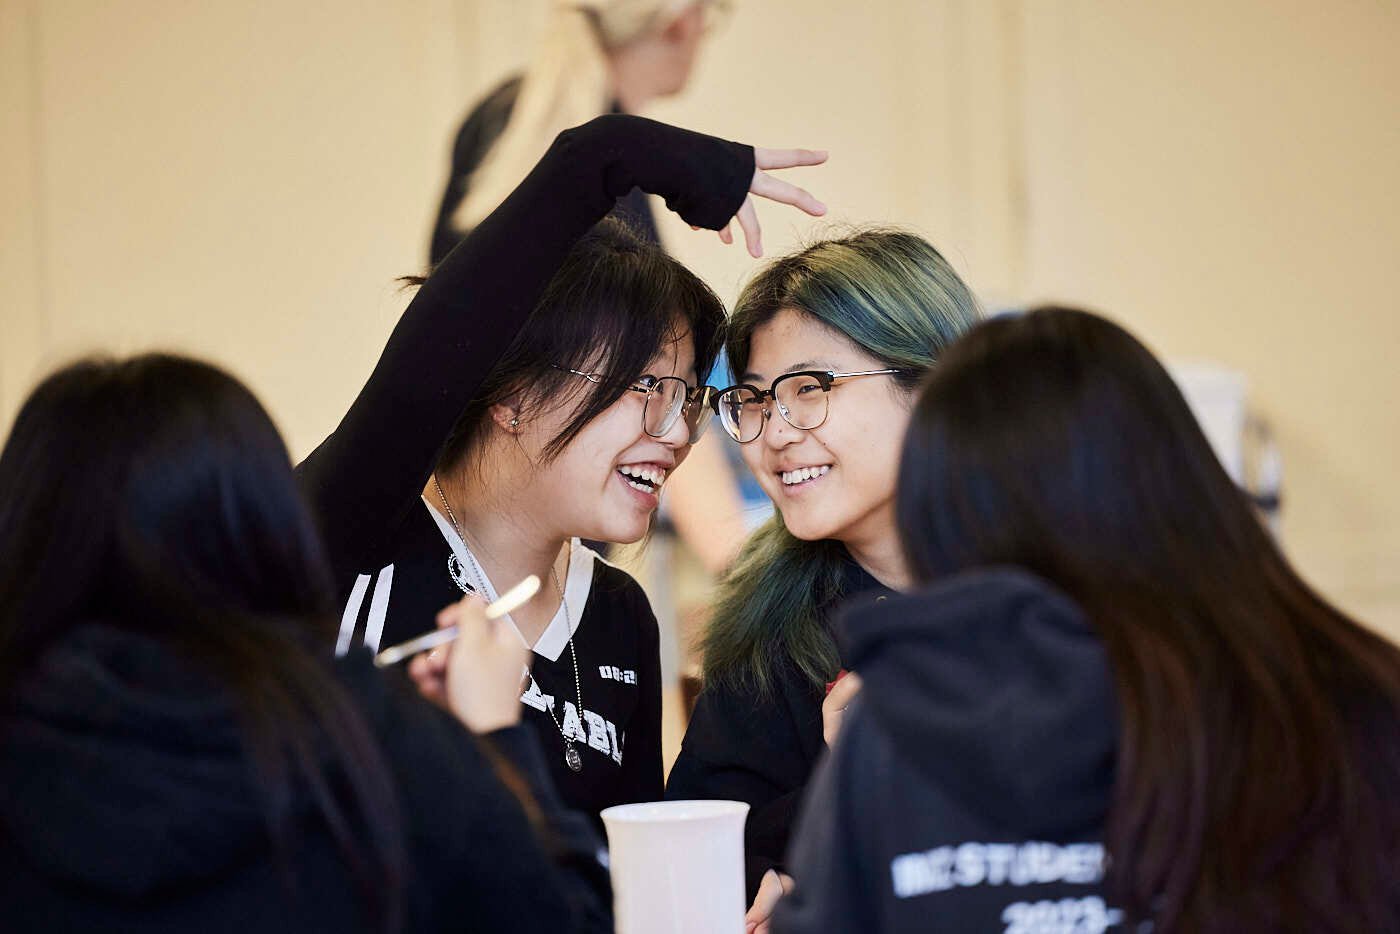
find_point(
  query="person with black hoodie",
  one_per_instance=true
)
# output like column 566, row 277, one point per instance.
column 966, row 790
column 1111, row 703
column 178, row 750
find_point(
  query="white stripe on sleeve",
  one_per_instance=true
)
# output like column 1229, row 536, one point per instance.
column 379, row 608
column 352, row 613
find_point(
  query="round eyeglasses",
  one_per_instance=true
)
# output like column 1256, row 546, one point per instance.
column 668, row 398
column 803, row 400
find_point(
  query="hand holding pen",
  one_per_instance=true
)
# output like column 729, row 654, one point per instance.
column 478, row 675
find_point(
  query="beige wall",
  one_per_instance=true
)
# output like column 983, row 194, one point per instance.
column 1225, row 179
column 243, row 179
column 21, row 298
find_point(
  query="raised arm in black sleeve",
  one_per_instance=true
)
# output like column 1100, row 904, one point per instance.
column 373, row 467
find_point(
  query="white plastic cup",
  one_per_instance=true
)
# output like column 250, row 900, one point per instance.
column 677, row 866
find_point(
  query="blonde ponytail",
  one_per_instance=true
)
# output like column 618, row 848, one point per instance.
column 566, row 84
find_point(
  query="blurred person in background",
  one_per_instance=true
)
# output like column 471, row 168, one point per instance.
column 827, row 346
column 1111, row 703
column 597, row 57
column 178, row 749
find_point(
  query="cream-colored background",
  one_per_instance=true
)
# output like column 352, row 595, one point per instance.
column 243, row 179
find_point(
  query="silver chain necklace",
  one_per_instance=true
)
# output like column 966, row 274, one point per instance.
column 459, row 577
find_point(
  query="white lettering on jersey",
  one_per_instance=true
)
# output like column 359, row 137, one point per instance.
column 597, row 732
column 533, row 697
column 999, row 857
column 622, row 675
column 571, row 727
column 971, row 864
column 1066, row 916
column 601, row 733
column 616, row 746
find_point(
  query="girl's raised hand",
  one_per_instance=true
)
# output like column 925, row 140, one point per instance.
column 774, row 189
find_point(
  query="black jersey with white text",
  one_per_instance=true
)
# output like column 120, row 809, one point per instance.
column 617, row 730
column 364, row 482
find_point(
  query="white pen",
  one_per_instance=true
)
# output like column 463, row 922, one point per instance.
column 508, row 602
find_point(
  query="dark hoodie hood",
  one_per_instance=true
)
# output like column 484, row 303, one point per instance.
column 993, row 684
column 123, row 771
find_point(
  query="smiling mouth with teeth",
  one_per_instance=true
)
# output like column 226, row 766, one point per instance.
column 803, row 474
column 646, row 478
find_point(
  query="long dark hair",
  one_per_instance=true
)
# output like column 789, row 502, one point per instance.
column 894, row 296
column 616, row 301
column 154, row 494
column 1259, row 751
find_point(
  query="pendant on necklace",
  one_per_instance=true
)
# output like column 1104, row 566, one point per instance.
column 572, row 759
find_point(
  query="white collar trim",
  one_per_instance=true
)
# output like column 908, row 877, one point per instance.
column 577, row 587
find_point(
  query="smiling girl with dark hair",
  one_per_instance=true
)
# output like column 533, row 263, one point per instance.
column 539, row 390
column 827, row 346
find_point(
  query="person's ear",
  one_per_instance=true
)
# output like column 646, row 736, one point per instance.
column 506, row 415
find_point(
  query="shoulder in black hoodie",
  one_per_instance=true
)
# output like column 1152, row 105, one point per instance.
column 760, row 748
column 127, row 803
column 968, row 789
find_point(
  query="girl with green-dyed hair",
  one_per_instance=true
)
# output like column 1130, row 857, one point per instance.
column 827, row 347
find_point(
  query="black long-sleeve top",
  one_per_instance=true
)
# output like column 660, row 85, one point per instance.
column 761, row 748
column 389, row 549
